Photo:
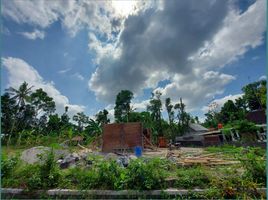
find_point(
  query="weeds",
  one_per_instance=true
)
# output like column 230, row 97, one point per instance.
column 192, row 177
column 254, row 165
column 8, row 165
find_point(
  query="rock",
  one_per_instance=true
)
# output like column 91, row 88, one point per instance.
column 83, row 156
column 59, row 161
column 123, row 161
column 32, row 155
column 60, row 154
column 111, row 156
column 132, row 157
column 70, row 160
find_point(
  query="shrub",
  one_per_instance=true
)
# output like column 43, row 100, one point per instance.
column 144, row 175
column 8, row 165
column 254, row 165
column 234, row 186
column 192, row 177
column 40, row 176
column 49, row 171
column 103, row 175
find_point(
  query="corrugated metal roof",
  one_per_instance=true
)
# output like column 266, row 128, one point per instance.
column 197, row 127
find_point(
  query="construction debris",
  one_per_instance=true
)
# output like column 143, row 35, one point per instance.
column 183, row 159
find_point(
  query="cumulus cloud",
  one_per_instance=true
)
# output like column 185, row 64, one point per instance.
column 156, row 42
column 34, row 35
column 97, row 16
column 221, row 101
column 240, row 32
column 184, row 42
column 20, row 71
column 197, row 91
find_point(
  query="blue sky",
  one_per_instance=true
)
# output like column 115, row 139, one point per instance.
column 70, row 49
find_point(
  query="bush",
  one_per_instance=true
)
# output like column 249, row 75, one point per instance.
column 40, row 176
column 192, row 177
column 144, row 175
column 234, row 186
column 103, row 175
column 254, row 165
column 49, row 171
column 8, row 165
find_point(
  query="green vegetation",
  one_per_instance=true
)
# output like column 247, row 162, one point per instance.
column 29, row 119
column 29, row 115
column 236, row 181
column 192, row 177
column 254, row 98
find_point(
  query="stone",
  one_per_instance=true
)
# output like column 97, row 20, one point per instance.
column 123, row 161
column 111, row 156
column 132, row 157
column 32, row 155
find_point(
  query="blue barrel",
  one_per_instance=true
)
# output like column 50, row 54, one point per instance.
column 138, row 151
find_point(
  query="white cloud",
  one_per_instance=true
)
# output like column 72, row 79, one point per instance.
column 263, row 77
column 196, row 92
column 96, row 16
column 240, row 32
column 64, row 70
column 221, row 101
column 140, row 106
column 78, row 76
column 184, row 42
column 34, row 35
column 20, row 71
column 190, row 61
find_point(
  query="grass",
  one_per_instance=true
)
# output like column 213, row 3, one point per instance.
column 225, row 149
column 146, row 174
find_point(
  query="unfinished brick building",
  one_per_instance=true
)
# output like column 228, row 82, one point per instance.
column 124, row 136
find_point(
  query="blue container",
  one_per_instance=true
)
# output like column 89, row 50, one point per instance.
column 138, row 151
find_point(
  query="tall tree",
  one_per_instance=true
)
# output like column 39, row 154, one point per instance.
column 170, row 112
column 8, row 117
column 183, row 117
column 155, row 108
column 21, row 96
column 228, row 112
column 81, row 120
column 102, row 117
column 42, row 102
column 122, row 105
column 53, row 124
column 65, row 118
column 255, row 95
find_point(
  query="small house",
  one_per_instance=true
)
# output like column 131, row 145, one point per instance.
column 192, row 136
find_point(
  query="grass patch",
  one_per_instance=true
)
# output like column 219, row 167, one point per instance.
column 225, row 149
column 192, row 177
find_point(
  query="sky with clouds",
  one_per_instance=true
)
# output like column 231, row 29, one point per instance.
column 82, row 53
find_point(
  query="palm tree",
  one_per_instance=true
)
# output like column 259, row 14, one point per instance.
column 20, row 95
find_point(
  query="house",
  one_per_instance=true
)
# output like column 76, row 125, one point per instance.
column 192, row 136
column 195, row 129
column 257, row 116
column 124, row 136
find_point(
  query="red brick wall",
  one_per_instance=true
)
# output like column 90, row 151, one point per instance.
column 125, row 135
